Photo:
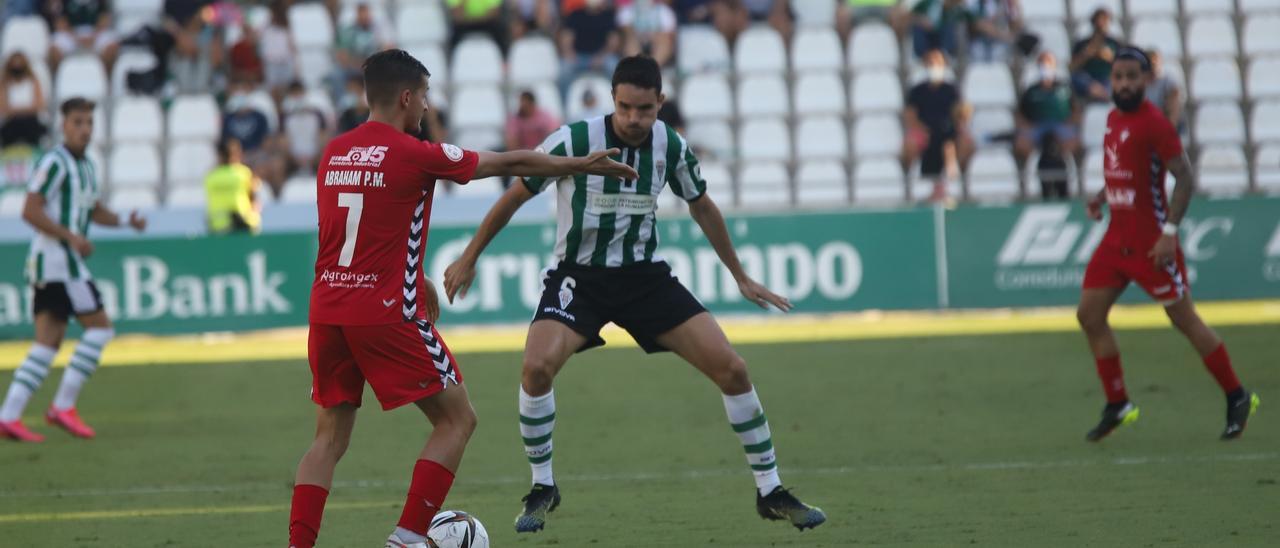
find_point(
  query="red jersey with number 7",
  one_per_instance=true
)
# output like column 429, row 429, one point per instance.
column 373, row 195
column 1135, row 148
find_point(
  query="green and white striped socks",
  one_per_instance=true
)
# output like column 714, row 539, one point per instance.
column 746, row 415
column 82, row 365
column 537, row 420
column 26, row 380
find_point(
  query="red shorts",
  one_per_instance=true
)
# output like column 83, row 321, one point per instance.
column 1113, row 266
column 403, row 362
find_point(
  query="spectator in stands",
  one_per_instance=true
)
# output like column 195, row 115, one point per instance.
column 173, row 33
column 1165, row 92
column 850, row 13
column 649, row 27
column 21, row 102
column 777, row 13
column 1048, row 119
column 279, row 55
column 252, row 129
column 936, row 119
column 231, row 191
column 80, row 25
column 198, row 60
column 692, row 12
column 1091, row 60
column 591, row 105
column 306, row 129
column 244, row 63
column 529, row 16
column 938, row 24
column 589, row 41
column 353, row 104
column 530, row 124
column 355, row 42
column 670, row 114
column 482, row 16
column 996, row 24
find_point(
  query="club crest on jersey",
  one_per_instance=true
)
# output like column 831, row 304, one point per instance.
column 566, row 292
column 451, row 152
column 361, row 156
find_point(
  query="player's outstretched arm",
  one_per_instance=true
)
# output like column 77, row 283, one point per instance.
column 529, row 163
column 104, row 216
column 459, row 274
column 1184, row 177
column 705, row 212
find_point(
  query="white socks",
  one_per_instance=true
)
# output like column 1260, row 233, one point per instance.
column 537, row 420
column 409, row 537
column 82, row 365
column 746, row 415
column 26, row 380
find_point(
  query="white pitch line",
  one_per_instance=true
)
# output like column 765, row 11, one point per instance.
column 660, row 476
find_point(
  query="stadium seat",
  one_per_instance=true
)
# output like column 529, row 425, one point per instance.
column 196, row 117
column 875, row 91
column 877, row 135
column 80, row 75
column 124, row 200
column 1222, row 170
column 260, row 101
column 188, row 197
column 1201, row 7
column 922, row 189
column 1219, row 123
column 1266, row 169
column 1095, row 124
column 1160, row 33
column 819, row 93
column 821, row 138
column 993, row 176
column 1139, row 9
column 1251, row 7
column 432, row 56
column 1265, row 122
column 477, row 106
column 314, row 65
column 1082, row 9
column 1044, row 9
column 706, row 96
column 533, row 59
column 763, row 95
column 878, row 181
column 1053, row 37
column 318, row 99
column 765, row 140
column 488, row 188
column 421, row 22
column 130, row 59
column 816, row 49
column 701, row 49
column 134, row 165
column 822, row 183
column 29, row 34
column 601, row 88
column 1216, row 79
column 1262, row 35
column 712, row 137
column 1092, row 175
column 764, row 185
column 476, row 60
column 873, row 45
column 136, row 119
column 299, row 190
column 485, row 138
column 1264, row 78
column 989, row 84
column 988, row 122
column 720, row 183
column 12, row 204
column 814, row 13
column 759, row 49
column 310, row 26
column 187, row 163
column 1211, row 36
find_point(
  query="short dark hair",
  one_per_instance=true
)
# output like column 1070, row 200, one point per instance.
column 640, row 71
column 386, row 73
column 1131, row 53
column 527, row 95
column 77, row 104
column 1101, row 11
column 224, row 147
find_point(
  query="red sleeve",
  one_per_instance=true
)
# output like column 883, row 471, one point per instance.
column 446, row 161
column 1165, row 140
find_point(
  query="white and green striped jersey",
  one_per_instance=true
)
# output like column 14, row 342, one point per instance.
column 70, row 189
column 606, row 221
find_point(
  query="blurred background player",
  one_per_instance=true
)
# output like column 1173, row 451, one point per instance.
column 1141, row 245
column 62, row 199
column 372, row 311
column 231, row 193
column 607, row 272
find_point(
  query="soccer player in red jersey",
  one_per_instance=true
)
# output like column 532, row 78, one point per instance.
column 1141, row 245
column 372, row 310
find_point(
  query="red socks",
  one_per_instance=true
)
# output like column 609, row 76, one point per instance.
column 1112, row 378
column 431, row 483
column 304, row 517
column 1219, row 365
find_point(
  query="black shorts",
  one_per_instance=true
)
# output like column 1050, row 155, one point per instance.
column 66, row 299
column 646, row 299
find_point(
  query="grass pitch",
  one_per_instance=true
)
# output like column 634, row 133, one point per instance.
column 912, row 441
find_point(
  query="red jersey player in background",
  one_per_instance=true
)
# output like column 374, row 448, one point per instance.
column 372, row 310
column 1141, row 245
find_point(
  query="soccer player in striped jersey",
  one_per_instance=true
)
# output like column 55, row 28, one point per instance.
column 62, row 200
column 609, row 271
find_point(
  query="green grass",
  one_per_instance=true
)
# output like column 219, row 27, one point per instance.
column 942, row 441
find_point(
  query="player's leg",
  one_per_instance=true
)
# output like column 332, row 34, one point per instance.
column 1241, row 403
column 1095, row 305
column 50, row 327
column 453, row 420
column 84, row 360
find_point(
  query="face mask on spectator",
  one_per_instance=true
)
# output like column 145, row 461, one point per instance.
column 237, row 101
column 1046, row 72
column 291, row 104
column 937, row 74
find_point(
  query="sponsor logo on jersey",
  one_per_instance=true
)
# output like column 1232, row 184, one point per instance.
column 349, row 279
column 1124, row 135
column 361, row 156
column 624, row 204
column 1113, row 170
column 452, row 152
column 1121, row 197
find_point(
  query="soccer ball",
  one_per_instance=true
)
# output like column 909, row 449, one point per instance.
column 454, row 529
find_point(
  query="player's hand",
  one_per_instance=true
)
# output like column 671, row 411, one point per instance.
column 81, row 245
column 458, row 277
column 599, row 163
column 433, row 302
column 1094, row 207
column 137, row 221
column 761, row 295
column 1164, row 251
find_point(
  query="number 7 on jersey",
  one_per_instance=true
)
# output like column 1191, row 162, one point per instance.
column 354, row 202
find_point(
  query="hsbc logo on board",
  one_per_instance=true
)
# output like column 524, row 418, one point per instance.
column 361, row 156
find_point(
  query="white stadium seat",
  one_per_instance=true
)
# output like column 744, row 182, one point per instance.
column 991, row 121
column 814, row 13
column 1262, row 35
column 1092, row 176
column 822, row 183
column 197, row 117
column 148, row 7
column 488, row 188
column 764, row 185
column 600, row 87
column 134, row 165
column 760, row 49
column 1161, row 34
column 1219, row 123
column 700, row 49
column 816, row 49
column 421, row 22
column 1267, row 169
column 310, row 26
column 191, row 197
column 130, row 59
column 989, row 85
column 874, row 91
column 993, row 176
column 1053, row 37
column 314, row 65
column 476, row 60
column 1044, row 9
column 80, row 76
column 764, row 139
column 1165, row 8
column 711, row 136
column 1199, row 7
column 1223, row 170
column 1264, row 77
column 1259, row 6
column 1210, row 36
column 873, row 45
column 29, row 34
column 1095, row 124
column 878, row 181
column 485, row 138
column 124, row 200
column 819, row 93
column 299, row 190
column 189, row 162
column 12, row 204
column 705, row 96
column 1216, row 79
column 1265, row 122
column 720, row 183
column 822, row 138
column 763, row 95
column 877, row 135
column 136, row 119
column 477, row 106
column 533, row 59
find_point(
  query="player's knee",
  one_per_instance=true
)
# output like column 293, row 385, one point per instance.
column 331, row 445
column 465, row 422
column 1091, row 320
column 539, row 371
column 733, row 377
